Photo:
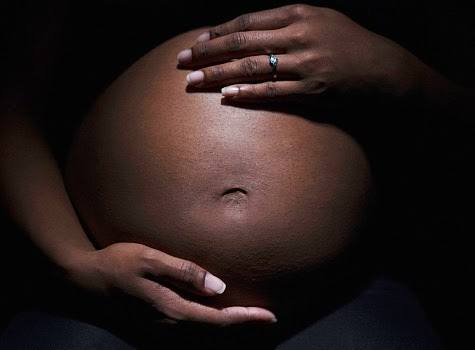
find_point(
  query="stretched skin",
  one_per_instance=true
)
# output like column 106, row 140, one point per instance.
column 257, row 196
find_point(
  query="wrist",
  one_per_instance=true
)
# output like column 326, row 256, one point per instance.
column 440, row 91
column 81, row 267
column 408, row 75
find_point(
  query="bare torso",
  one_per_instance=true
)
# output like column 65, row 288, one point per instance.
column 249, row 194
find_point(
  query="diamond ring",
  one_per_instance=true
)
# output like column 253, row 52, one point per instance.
column 273, row 63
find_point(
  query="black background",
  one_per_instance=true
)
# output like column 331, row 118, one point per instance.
column 424, row 158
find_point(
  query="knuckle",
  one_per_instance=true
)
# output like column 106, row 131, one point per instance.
column 174, row 312
column 220, row 30
column 270, row 89
column 226, row 320
column 189, row 272
column 300, row 37
column 215, row 73
column 201, row 50
column 147, row 254
column 299, row 10
column 237, row 41
column 148, row 258
column 243, row 22
column 249, row 66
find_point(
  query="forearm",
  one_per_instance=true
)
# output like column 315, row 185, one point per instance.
column 432, row 89
column 33, row 192
column 400, row 73
column 447, row 96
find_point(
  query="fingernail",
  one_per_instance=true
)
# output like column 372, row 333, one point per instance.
column 263, row 314
column 230, row 91
column 185, row 56
column 195, row 77
column 203, row 37
column 272, row 318
column 214, row 284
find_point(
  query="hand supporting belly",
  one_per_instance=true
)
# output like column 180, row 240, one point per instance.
column 254, row 196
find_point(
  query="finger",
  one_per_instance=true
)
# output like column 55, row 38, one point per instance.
column 240, row 314
column 245, row 70
column 175, row 307
column 183, row 274
column 228, row 316
column 194, row 312
column 271, row 91
column 260, row 20
column 234, row 46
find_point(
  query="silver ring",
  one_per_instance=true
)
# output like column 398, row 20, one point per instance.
column 273, row 63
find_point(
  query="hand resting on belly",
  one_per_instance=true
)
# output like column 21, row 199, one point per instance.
column 255, row 196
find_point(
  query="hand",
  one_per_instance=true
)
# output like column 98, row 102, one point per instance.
column 156, row 278
column 317, row 49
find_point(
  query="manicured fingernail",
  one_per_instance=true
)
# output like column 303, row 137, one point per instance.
column 214, row 284
column 203, row 37
column 185, row 56
column 230, row 91
column 195, row 77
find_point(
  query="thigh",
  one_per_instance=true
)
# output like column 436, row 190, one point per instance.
column 386, row 315
column 36, row 330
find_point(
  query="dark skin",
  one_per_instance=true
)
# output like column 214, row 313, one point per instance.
column 316, row 49
column 250, row 194
column 32, row 172
column 31, row 176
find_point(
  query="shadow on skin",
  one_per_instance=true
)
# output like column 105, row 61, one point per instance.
column 269, row 199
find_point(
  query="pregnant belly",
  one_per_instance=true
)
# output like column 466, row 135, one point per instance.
column 251, row 195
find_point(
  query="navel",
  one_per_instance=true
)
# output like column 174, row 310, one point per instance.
column 234, row 191
column 235, row 195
